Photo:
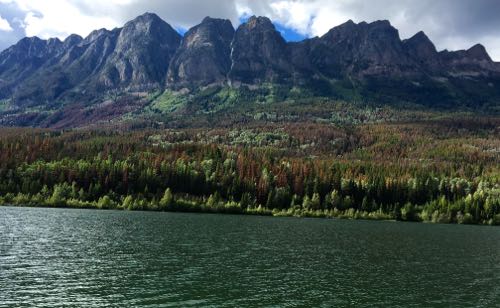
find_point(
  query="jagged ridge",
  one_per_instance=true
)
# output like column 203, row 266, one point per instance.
column 148, row 54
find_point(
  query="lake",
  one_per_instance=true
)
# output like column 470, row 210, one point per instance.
column 86, row 258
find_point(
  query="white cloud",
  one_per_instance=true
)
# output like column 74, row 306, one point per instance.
column 63, row 17
column 312, row 18
column 59, row 18
column 5, row 25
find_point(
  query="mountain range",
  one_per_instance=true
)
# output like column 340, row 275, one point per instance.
column 364, row 61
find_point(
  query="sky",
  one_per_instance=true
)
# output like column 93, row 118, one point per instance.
column 450, row 24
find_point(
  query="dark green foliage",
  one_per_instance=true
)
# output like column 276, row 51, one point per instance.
column 445, row 171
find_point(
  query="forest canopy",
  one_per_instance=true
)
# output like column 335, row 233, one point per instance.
column 443, row 171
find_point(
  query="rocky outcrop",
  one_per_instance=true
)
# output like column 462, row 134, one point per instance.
column 141, row 55
column 359, row 50
column 21, row 61
column 421, row 49
column 472, row 62
column 204, row 56
column 259, row 54
column 133, row 58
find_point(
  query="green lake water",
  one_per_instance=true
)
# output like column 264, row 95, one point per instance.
column 86, row 258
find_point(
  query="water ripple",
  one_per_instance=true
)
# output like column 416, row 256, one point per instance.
column 81, row 258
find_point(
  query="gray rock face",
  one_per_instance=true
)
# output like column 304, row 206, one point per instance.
column 142, row 54
column 74, row 69
column 472, row 62
column 361, row 49
column 20, row 61
column 72, row 40
column 204, row 57
column 148, row 54
column 133, row 58
column 259, row 54
column 420, row 48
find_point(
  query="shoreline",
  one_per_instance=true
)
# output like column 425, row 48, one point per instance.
column 263, row 213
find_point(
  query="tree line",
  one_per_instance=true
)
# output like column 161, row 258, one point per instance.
column 125, row 170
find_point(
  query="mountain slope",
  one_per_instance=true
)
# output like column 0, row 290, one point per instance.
column 362, row 62
column 133, row 58
column 142, row 54
column 259, row 54
column 204, row 55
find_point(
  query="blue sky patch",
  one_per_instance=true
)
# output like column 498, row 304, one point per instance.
column 289, row 34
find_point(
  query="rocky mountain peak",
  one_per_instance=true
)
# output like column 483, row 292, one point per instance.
column 420, row 40
column 28, row 42
column 150, row 24
column 53, row 43
column 203, row 57
column 421, row 48
column 361, row 49
column 98, row 35
column 146, row 27
column 141, row 55
column 147, row 17
column 210, row 29
column 72, row 40
column 478, row 52
column 472, row 62
column 259, row 53
column 33, row 47
column 351, row 28
column 29, row 51
column 260, row 23
column 383, row 30
column 382, row 24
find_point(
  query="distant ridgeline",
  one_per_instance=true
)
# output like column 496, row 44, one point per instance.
column 361, row 62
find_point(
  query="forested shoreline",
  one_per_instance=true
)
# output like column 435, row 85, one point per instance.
column 404, row 172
